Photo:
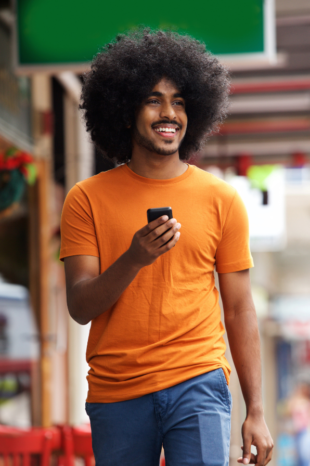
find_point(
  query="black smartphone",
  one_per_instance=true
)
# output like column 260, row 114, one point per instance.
column 153, row 214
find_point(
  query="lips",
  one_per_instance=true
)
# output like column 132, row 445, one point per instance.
column 166, row 130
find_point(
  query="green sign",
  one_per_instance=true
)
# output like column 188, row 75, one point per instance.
column 58, row 32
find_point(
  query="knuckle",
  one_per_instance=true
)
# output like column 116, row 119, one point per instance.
column 153, row 235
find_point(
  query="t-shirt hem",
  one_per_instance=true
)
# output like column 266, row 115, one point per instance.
column 152, row 388
column 235, row 266
column 66, row 252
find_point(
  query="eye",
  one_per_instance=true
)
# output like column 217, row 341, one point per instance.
column 152, row 101
column 179, row 103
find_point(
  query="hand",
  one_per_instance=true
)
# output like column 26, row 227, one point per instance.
column 148, row 244
column 255, row 432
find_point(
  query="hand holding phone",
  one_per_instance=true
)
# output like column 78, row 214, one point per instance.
column 156, row 238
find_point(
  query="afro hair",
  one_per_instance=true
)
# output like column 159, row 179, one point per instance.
column 123, row 74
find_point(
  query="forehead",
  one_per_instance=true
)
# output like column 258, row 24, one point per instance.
column 166, row 86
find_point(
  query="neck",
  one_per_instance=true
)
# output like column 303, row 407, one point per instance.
column 158, row 167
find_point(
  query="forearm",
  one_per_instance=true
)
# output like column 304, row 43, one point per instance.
column 244, row 342
column 92, row 297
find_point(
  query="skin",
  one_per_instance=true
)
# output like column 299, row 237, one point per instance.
column 156, row 155
column 243, row 336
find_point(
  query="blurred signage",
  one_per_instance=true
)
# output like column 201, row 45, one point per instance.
column 18, row 334
column 296, row 330
column 291, row 307
column 265, row 207
column 293, row 312
column 68, row 34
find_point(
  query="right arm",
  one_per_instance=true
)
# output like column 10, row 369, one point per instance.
column 90, row 293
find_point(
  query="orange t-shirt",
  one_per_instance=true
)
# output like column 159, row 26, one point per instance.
column 166, row 326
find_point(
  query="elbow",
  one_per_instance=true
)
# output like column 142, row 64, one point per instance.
column 81, row 320
column 77, row 315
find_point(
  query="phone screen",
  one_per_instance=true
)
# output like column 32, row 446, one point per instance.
column 153, row 214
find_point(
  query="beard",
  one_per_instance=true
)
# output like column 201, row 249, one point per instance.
column 151, row 146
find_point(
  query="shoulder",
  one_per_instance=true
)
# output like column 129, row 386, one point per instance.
column 221, row 190
column 91, row 185
column 86, row 193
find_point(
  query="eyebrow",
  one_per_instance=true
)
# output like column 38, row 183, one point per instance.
column 160, row 94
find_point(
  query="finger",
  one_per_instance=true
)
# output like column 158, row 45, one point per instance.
column 162, row 229
column 261, row 455
column 170, row 244
column 253, row 459
column 269, row 457
column 174, row 240
column 246, row 449
column 165, row 237
column 152, row 225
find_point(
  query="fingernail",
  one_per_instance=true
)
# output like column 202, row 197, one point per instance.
column 246, row 460
column 165, row 218
column 178, row 225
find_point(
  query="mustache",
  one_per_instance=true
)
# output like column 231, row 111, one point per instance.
column 164, row 122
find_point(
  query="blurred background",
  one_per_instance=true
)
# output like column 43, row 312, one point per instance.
column 263, row 149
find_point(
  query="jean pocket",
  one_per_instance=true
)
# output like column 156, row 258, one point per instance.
column 225, row 389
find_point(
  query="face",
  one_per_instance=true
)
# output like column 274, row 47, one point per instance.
column 161, row 120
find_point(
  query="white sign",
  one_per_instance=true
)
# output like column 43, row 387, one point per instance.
column 267, row 222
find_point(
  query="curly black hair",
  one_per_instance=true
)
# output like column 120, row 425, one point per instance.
column 125, row 71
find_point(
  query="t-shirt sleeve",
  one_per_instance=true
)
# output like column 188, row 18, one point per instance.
column 233, row 252
column 77, row 230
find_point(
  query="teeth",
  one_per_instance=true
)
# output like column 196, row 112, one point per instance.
column 165, row 130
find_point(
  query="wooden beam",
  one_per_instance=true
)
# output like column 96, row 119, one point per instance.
column 39, row 237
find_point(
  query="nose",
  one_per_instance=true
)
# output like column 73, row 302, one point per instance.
column 168, row 111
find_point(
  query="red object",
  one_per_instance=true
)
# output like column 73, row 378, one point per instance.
column 162, row 462
column 17, row 445
column 280, row 126
column 47, row 122
column 15, row 366
column 270, row 86
column 299, row 159
column 77, row 441
column 243, row 163
column 14, row 161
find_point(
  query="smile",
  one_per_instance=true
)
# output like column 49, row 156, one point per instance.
column 166, row 132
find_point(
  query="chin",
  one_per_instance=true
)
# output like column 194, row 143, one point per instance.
column 166, row 150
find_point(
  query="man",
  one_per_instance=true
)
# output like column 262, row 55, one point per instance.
column 158, row 373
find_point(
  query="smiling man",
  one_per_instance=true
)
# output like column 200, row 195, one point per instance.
column 158, row 373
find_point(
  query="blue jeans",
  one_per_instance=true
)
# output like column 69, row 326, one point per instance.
column 191, row 420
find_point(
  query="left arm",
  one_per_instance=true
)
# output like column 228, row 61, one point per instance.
column 243, row 337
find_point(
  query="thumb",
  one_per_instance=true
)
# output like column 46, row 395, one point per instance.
column 246, row 450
